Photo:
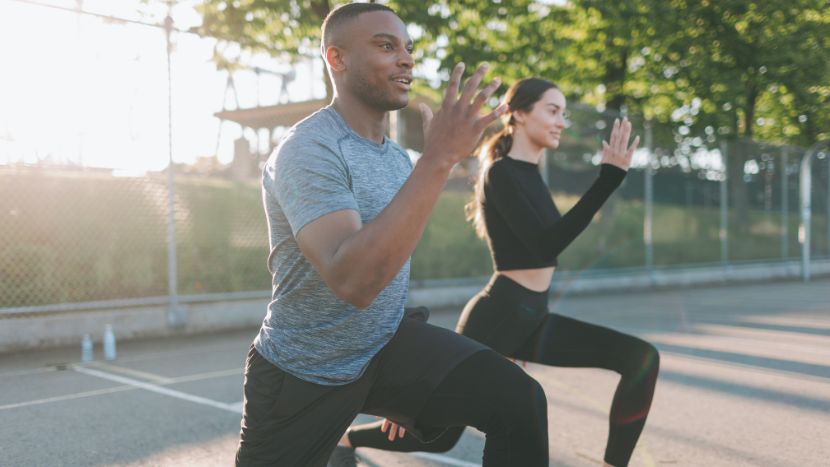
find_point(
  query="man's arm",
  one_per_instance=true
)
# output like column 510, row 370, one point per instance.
column 358, row 261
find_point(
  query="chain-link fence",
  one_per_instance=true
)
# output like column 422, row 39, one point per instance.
column 72, row 233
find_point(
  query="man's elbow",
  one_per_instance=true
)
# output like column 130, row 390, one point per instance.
column 356, row 296
column 356, row 286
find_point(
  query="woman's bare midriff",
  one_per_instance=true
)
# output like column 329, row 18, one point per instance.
column 537, row 280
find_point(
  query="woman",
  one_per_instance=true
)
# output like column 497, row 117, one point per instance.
column 514, row 213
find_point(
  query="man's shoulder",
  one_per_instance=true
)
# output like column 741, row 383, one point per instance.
column 316, row 135
column 321, row 127
column 395, row 146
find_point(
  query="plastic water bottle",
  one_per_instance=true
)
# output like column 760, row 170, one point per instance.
column 109, row 343
column 86, row 348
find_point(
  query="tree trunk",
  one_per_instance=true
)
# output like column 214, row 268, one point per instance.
column 614, row 82
column 738, row 155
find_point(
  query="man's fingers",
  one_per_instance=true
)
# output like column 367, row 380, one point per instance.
column 485, row 94
column 486, row 120
column 472, row 84
column 452, row 87
column 426, row 115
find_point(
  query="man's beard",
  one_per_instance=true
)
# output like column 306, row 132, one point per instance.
column 374, row 96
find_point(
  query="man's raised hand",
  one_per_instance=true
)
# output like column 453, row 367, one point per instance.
column 454, row 131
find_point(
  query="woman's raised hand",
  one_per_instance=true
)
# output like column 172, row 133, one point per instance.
column 617, row 151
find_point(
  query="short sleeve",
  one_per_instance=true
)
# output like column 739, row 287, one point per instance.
column 308, row 180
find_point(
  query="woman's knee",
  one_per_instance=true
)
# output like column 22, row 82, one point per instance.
column 650, row 358
column 641, row 358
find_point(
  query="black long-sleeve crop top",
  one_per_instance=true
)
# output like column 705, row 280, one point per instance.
column 524, row 227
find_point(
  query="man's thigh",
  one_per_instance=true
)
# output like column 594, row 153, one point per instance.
column 290, row 422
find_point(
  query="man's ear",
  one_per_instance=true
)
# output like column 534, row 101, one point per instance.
column 334, row 58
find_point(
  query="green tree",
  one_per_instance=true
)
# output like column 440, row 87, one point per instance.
column 288, row 29
column 731, row 59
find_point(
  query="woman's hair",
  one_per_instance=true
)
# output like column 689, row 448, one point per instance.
column 521, row 96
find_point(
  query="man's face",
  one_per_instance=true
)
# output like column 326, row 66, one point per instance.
column 378, row 61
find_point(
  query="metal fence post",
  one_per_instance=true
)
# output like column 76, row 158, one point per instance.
column 785, row 205
column 805, row 180
column 648, row 202
column 174, row 318
column 724, row 208
column 805, row 187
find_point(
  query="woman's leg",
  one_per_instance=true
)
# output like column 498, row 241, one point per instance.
column 566, row 342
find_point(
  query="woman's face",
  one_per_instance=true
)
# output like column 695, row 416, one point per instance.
column 544, row 123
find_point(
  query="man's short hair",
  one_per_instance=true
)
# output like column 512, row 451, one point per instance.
column 343, row 14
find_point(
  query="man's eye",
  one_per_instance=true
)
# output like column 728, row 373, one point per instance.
column 387, row 46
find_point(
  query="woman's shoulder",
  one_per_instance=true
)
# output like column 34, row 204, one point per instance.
column 500, row 166
column 504, row 170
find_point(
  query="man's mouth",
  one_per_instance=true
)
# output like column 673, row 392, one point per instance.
column 405, row 81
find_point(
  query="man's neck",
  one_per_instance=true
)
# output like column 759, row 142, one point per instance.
column 364, row 120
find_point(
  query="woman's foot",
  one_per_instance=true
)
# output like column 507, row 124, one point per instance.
column 343, row 457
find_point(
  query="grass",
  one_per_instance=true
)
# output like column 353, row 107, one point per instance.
column 93, row 237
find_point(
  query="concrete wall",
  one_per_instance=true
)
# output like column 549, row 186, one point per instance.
column 38, row 330
column 55, row 329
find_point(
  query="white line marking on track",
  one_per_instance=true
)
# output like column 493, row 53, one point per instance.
column 32, row 371
column 207, row 375
column 444, row 459
column 235, row 407
column 158, row 389
column 67, row 397
column 130, row 372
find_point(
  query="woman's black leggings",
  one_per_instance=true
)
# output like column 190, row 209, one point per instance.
column 515, row 322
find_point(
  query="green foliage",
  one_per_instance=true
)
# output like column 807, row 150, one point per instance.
column 84, row 238
column 449, row 246
column 740, row 67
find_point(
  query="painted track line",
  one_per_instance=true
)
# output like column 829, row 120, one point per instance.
column 68, row 397
column 234, row 407
column 130, row 372
column 159, row 389
column 444, row 459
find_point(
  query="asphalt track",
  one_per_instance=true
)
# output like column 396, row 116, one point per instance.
column 745, row 380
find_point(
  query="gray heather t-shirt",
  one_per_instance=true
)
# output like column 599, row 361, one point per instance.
column 322, row 166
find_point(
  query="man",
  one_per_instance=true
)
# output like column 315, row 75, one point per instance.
column 345, row 210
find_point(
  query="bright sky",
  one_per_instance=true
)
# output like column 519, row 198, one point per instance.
column 78, row 89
